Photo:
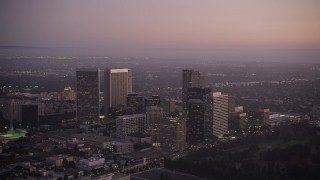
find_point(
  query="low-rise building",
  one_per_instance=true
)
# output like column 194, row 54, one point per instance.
column 281, row 118
column 139, row 138
column 237, row 121
column 91, row 163
column 117, row 147
column 58, row 160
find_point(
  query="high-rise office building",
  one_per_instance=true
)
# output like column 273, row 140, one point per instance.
column 200, row 94
column 172, row 133
column 217, row 112
column 208, row 116
column 237, row 121
column 231, row 103
column 136, row 103
column 197, row 93
column 117, row 84
column 128, row 124
column 195, row 123
column 190, row 78
column 154, row 116
column 88, row 89
column 13, row 112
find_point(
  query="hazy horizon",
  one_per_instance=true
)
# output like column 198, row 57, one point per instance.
column 218, row 54
column 269, row 30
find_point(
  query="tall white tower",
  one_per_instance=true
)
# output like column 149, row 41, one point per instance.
column 117, row 86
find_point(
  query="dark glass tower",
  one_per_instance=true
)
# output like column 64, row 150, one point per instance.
column 135, row 102
column 197, row 93
column 195, row 123
column 190, row 78
column 88, row 89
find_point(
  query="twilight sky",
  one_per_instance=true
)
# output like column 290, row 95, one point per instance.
column 161, row 23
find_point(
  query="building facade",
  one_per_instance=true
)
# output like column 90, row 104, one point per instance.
column 217, row 113
column 136, row 103
column 117, row 86
column 195, row 123
column 237, row 121
column 190, row 78
column 128, row 124
column 257, row 118
column 117, row 147
column 154, row 115
column 88, row 89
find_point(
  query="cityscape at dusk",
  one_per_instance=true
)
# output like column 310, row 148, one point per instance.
column 160, row 90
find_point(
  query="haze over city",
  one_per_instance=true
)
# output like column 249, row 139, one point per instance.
column 181, row 28
column 160, row 89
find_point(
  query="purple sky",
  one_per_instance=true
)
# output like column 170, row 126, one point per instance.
column 161, row 23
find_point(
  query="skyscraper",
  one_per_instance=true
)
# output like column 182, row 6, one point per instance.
column 197, row 93
column 193, row 92
column 190, row 78
column 232, row 103
column 117, row 84
column 136, row 103
column 195, row 123
column 154, row 116
column 88, row 89
column 217, row 112
column 172, row 133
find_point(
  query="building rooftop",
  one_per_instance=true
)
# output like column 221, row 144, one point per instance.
column 118, row 70
column 131, row 116
column 138, row 135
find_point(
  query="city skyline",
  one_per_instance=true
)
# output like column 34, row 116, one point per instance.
column 146, row 89
column 162, row 136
